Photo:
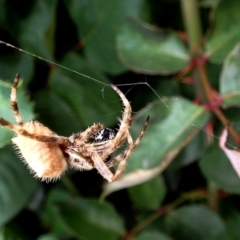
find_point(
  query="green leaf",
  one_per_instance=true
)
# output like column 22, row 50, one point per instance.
column 25, row 109
column 193, row 151
column 153, row 235
column 165, row 136
column 16, row 185
column 12, row 230
column 89, row 101
column 146, row 49
column 230, row 79
column 5, row 235
column 90, row 219
column 40, row 24
column 195, row 222
column 217, row 168
column 208, row 3
column 148, row 195
column 47, row 237
column 163, row 140
column 50, row 213
column 2, row 12
column 81, row 218
column 232, row 223
column 230, row 216
column 97, row 22
column 226, row 32
column 11, row 64
column 55, row 113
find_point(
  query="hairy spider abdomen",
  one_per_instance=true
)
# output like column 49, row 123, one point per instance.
column 45, row 159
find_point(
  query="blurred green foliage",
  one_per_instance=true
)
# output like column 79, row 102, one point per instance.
column 126, row 43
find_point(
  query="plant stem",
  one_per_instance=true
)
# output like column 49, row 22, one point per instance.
column 192, row 26
column 195, row 196
column 203, row 89
column 213, row 196
column 154, row 216
column 201, row 82
column 194, row 32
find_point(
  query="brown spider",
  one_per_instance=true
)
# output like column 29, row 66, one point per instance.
column 49, row 155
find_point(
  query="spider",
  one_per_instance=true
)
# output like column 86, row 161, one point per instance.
column 48, row 155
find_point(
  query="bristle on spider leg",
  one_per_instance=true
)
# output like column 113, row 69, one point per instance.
column 118, row 119
column 14, row 100
column 47, row 179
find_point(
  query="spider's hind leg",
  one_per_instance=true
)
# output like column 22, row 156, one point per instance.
column 14, row 100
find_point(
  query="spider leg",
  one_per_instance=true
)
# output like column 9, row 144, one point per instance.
column 125, row 155
column 82, row 137
column 123, row 158
column 13, row 99
column 110, row 146
column 108, row 150
column 20, row 131
column 90, row 130
column 101, row 166
column 76, row 160
column 125, row 122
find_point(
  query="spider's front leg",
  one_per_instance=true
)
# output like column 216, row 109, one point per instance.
column 84, row 160
column 42, row 138
column 125, row 155
column 101, row 166
column 81, row 138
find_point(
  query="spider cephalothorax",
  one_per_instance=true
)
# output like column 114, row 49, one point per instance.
column 102, row 135
column 49, row 155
